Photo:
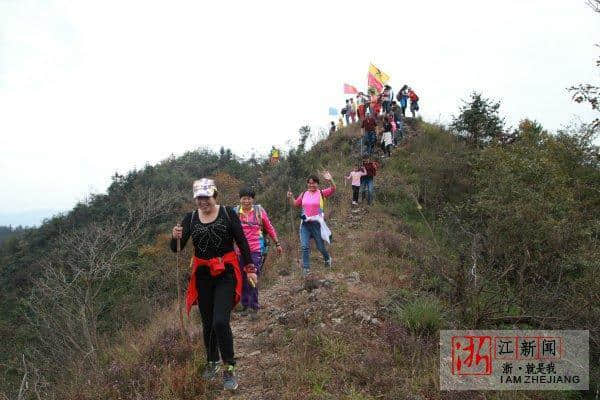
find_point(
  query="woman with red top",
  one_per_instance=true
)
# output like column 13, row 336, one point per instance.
column 215, row 282
column 414, row 102
column 360, row 108
column 313, row 223
column 375, row 104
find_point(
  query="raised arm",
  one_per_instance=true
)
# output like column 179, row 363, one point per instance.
column 294, row 203
column 327, row 176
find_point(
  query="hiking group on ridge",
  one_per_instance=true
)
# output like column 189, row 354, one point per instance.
column 381, row 117
column 230, row 243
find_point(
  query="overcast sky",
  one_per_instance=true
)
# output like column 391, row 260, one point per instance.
column 88, row 88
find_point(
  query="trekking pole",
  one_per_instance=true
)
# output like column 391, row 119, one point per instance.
column 180, row 310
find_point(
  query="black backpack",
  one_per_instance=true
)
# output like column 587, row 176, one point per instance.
column 344, row 110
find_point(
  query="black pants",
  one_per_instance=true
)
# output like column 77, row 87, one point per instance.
column 355, row 191
column 387, row 149
column 215, row 300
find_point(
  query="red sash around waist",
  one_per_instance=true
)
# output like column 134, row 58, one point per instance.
column 216, row 266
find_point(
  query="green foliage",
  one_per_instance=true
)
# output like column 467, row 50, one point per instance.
column 422, row 315
column 479, row 120
column 516, row 224
column 304, row 133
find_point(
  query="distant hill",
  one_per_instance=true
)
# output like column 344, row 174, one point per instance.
column 30, row 218
column 6, row 232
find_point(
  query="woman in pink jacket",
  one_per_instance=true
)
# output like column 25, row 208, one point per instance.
column 313, row 220
column 255, row 223
column 354, row 177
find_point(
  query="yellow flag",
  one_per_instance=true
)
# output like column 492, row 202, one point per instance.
column 378, row 74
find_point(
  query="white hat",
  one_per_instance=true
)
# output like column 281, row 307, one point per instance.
column 204, row 187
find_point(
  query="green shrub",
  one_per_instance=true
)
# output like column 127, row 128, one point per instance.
column 423, row 315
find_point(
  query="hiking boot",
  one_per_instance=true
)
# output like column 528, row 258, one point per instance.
column 229, row 380
column 354, row 203
column 210, row 370
column 328, row 263
column 305, row 272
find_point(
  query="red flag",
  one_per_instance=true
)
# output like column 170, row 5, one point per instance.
column 374, row 82
column 349, row 89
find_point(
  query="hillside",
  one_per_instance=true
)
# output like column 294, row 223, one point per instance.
column 525, row 213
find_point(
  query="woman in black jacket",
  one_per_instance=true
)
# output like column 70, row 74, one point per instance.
column 215, row 283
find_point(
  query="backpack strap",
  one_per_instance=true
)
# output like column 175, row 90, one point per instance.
column 322, row 199
column 258, row 215
column 227, row 214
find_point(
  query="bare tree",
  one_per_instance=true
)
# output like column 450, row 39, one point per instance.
column 585, row 92
column 65, row 300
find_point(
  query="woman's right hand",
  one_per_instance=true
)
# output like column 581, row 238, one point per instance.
column 252, row 279
column 177, row 232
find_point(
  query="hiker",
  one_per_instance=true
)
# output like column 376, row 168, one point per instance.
column 348, row 109
column 414, row 102
column 399, row 123
column 313, row 223
column 274, row 157
column 215, row 282
column 367, row 181
column 255, row 223
column 392, row 120
column 369, row 138
column 402, row 97
column 352, row 110
column 380, row 136
column 387, row 97
column 354, row 177
column 386, row 137
column 340, row 124
column 332, row 128
column 375, row 103
column 360, row 101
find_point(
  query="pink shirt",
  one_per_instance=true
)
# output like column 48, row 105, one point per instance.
column 252, row 229
column 355, row 176
column 311, row 201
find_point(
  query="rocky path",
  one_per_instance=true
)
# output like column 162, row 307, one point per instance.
column 291, row 304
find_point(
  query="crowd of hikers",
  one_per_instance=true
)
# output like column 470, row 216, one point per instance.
column 230, row 243
column 381, row 117
column 377, row 103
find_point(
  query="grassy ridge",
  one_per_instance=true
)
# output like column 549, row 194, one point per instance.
column 526, row 213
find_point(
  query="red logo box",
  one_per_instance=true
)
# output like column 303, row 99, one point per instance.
column 471, row 355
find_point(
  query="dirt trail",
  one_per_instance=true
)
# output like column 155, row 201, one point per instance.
column 329, row 301
column 291, row 304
